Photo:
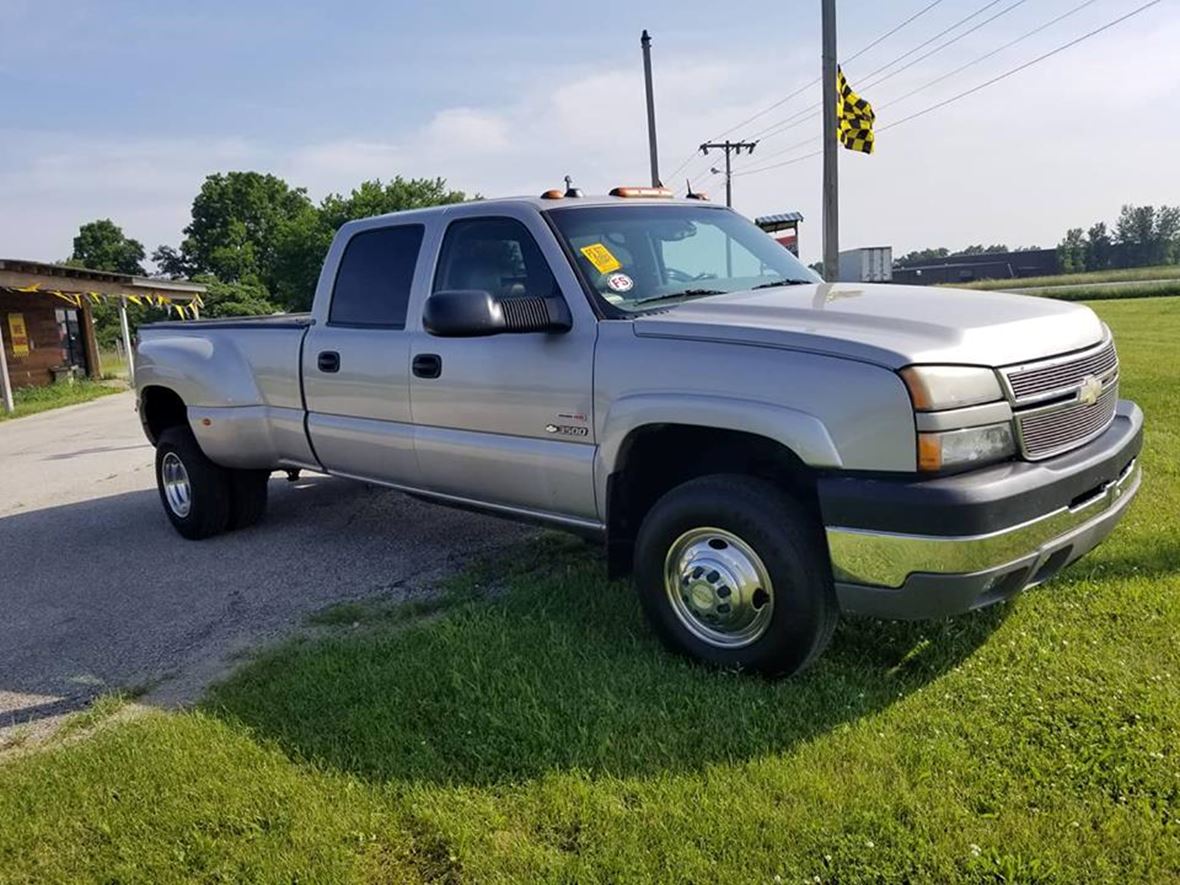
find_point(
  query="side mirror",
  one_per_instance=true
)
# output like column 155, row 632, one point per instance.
column 469, row 313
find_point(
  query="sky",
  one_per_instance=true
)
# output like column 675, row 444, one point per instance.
column 120, row 109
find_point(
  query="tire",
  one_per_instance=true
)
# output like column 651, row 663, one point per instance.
column 195, row 495
column 703, row 553
column 247, row 497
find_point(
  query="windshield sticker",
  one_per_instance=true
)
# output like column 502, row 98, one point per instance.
column 620, row 282
column 601, row 257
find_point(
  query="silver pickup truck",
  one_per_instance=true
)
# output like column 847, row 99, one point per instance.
column 760, row 449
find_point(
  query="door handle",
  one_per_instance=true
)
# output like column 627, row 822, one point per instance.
column 328, row 361
column 427, row 365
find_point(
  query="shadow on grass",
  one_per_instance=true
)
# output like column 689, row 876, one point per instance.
column 561, row 674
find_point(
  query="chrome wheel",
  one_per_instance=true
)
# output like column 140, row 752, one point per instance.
column 177, row 490
column 718, row 587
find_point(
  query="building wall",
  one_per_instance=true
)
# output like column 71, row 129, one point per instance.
column 45, row 346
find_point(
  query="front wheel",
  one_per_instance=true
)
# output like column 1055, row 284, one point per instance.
column 732, row 571
column 195, row 492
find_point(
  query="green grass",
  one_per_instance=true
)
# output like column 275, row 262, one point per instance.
column 1127, row 274
column 532, row 729
column 114, row 365
column 1162, row 289
column 30, row 400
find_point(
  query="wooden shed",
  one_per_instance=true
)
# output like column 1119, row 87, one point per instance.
column 46, row 324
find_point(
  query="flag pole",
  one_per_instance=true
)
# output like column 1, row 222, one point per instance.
column 831, row 202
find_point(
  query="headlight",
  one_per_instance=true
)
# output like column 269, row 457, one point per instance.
column 950, row 387
column 958, row 448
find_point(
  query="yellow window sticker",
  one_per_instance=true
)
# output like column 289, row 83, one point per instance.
column 601, row 257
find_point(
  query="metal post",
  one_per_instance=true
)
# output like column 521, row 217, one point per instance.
column 127, row 339
column 831, row 200
column 645, row 42
column 5, row 383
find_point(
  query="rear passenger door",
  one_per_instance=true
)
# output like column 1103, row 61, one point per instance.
column 356, row 358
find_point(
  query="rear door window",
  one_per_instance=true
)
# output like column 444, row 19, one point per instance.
column 372, row 287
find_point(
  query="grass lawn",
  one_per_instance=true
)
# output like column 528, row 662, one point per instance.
column 29, row 400
column 1157, row 289
column 1121, row 275
column 540, row 733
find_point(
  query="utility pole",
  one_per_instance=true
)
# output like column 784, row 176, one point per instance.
column 831, row 201
column 735, row 147
column 645, row 42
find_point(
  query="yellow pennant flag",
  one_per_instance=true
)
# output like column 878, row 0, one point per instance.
column 855, row 117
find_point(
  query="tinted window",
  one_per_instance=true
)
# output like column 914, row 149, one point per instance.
column 373, row 282
column 497, row 255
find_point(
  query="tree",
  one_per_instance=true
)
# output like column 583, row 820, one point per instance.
column 102, row 245
column 1071, row 253
column 1097, row 247
column 235, row 299
column 171, row 263
column 236, row 222
column 304, row 237
column 921, row 256
column 1145, row 236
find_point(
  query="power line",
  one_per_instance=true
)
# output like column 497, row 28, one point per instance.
column 809, row 112
column 941, row 104
column 943, row 46
column 1019, row 68
column 803, row 117
column 925, row 43
column 988, row 55
column 890, row 33
column 780, row 102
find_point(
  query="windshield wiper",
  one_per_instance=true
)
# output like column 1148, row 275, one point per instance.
column 687, row 293
column 783, row 283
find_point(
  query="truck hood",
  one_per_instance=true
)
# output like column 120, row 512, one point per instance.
column 885, row 324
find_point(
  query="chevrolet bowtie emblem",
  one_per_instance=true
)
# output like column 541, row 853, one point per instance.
column 1090, row 390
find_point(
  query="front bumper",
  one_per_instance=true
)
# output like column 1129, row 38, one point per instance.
column 930, row 548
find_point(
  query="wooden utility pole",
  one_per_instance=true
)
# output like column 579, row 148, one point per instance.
column 831, row 200
column 645, row 42
column 729, row 147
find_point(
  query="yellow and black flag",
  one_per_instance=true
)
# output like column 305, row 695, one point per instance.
column 855, row 116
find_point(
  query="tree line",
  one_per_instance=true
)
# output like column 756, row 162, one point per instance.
column 256, row 242
column 1141, row 236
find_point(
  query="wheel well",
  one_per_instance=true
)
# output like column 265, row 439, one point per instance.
column 159, row 409
column 656, row 458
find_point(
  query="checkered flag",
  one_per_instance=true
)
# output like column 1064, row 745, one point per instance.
column 855, row 116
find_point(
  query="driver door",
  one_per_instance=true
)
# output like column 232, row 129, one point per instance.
column 507, row 419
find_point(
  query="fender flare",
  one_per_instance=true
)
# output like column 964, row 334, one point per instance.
column 801, row 433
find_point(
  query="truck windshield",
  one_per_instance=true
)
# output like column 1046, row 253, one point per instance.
column 634, row 256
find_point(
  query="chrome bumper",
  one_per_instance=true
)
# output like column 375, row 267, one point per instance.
column 884, row 559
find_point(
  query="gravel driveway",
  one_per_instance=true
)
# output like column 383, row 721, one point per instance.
column 97, row 592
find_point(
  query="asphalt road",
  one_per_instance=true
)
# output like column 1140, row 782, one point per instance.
column 98, row 593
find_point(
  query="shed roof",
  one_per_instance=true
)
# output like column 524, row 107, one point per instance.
column 82, row 279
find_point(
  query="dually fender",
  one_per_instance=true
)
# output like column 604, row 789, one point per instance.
column 802, row 433
column 230, row 416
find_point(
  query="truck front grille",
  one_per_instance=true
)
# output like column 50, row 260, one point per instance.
column 1063, row 402
column 1044, row 379
column 1056, row 429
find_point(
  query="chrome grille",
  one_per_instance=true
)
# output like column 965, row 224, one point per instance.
column 1054, row 429
column 1043, row 379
